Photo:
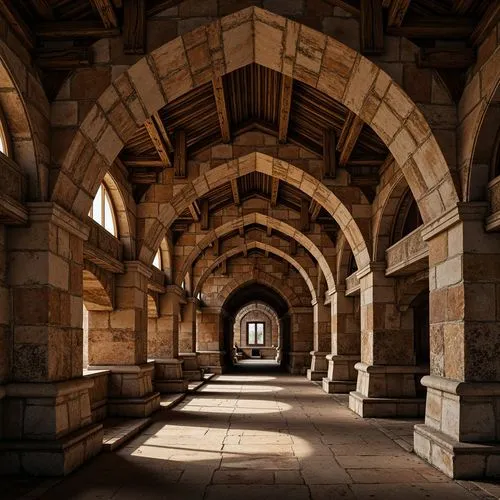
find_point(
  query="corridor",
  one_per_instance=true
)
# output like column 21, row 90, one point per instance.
column 258, row 436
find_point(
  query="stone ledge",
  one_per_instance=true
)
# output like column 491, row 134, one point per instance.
column 315, row 375
column 145, row 367
column 461, row 388
column 363, row 367
column 456, row 459
column 47, row 390
column 119, row 431
column 338, row 386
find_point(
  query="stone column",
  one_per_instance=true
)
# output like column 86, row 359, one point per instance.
column 118, row 342
column 301, row 339
column 210, row 343
column 461, row 434
column 47, row 414
column 386, row 374
column 345, row 344
column 321, row 340
column 168, row 366
column 187, row 340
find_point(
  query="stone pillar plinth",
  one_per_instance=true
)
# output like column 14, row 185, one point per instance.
column 169, row 376
column 190, row 368
column 345, row 343
column 321, row 341
column 301, row 339
column 210, row 339
column 47, row 414
column 461, row 434
column 131, row 391
column 386, row 384
column 118, row 343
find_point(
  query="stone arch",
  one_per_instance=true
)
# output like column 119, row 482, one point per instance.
column 97, row 291
column 256, row 162
column 261, row 308
column 485, row 149
column 254, row 35
column 261, row 277
column 121, row 214
column 481, row 92
column 167, row 251
column 266, row 221
column 250, row 246
column 344, row 256
column 27, row 148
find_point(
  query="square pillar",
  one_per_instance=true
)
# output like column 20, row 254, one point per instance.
column 461, row 434
column 46, row 409
column 345, row 344
column 210, row 339
column 386, row 374
column 302, row 335
column 321, row 341
column 187, row 340
column 118, row 343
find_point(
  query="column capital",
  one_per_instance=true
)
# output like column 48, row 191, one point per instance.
column 53, row 213
column 371, row 267
column 462, row 211
column 139, row 267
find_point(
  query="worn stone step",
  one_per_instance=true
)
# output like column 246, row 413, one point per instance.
column 118, row 431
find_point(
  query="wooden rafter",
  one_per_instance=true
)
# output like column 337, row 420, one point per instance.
column 351, row 6
column 274, row 191
column 106, row 12
column 66, row 58
column 236, row 192
column 434, row 27
column 489, row 20
column 134, row 26
column 195, row 211
column 157, row 133
column 285, row 107
column 372, row 27
column 43, row 9
column 446, row 58
column 349, row 136
column 59, row 30
column 143, row 162
column 329, row 156
column 462, row 6
column 180, row 154
column 397, row 12
column 222, row 112
column 12, row 16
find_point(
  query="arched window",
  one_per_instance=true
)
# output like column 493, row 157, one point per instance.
column 157, row 260
column 102, row 210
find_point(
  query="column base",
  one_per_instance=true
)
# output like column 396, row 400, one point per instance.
column 387, row 391
column 131, row 390
column 338, row 386
column 457, row 460
column 169, row 376
column 314, row 375
column 190, row 369
column 298, row 362
column 319, row 366
column 368, row 407
column 341, row 376
column 51, row 458
column 212, row 361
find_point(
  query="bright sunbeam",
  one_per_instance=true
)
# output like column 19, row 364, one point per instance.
column 243, row 389
column 245, row 378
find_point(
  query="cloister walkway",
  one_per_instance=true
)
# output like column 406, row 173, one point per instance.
column 259, row 436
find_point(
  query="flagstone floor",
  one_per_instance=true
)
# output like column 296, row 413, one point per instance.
column 261, row 436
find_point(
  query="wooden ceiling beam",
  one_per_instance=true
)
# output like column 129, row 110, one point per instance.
column 397, row 12
column 157, row 6
column 157, row 137
column 106, row 12
column 143, row 162
column 220, row 101
column 134, row 26
column 58, row 30
column 63, row 58
column 16, row 22
column 434, row 27
column 236, row 192
column 372, row 27
column 462, row 6
column 329, row 155
column 349, row 136
column 285, row 107
column 489, row 20
column 43, row 9
column 351, row 6
column 446, row 58
column 274, row 191
column 180, row 154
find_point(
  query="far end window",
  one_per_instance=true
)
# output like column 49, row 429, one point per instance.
column 255, row 333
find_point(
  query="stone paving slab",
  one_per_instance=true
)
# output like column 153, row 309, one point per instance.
column 262, row 438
